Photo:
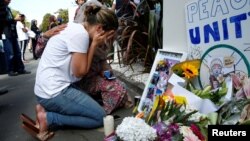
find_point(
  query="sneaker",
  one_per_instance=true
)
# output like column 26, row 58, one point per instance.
column 3, row 91
column 12, row 73
column 24, row 72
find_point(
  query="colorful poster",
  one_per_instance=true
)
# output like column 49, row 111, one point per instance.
column 219, row 29
column 158, row 77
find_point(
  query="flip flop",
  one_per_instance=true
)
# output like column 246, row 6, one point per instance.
column 33, row 131
column 27, row 119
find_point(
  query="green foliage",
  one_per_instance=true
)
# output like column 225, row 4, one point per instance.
column 177, row 137
column 63, row 13
column 214, row 95
column 140, row 36
column 203, row 128
column 45, row 23
column 14, row 12
column 230, row 112
column 173, row 111
column 28, row 24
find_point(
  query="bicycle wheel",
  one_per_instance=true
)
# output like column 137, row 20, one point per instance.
column 240, row 63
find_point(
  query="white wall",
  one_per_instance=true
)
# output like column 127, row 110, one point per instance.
column 174, row 28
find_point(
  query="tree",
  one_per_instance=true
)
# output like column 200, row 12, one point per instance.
column 45, row 23
column 63, row 15
column 15, row 13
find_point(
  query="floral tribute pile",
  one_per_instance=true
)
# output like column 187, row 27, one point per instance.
column 172, row 118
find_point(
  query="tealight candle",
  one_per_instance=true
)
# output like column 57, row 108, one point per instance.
column 108, row 122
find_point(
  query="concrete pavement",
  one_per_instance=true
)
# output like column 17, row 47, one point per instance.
column 21, row 99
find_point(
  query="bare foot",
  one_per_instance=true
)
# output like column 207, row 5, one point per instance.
column 41, row 118
column 38, row 108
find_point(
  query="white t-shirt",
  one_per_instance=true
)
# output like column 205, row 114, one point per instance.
column 54, row 71
column 137, row 1
column 20, row 33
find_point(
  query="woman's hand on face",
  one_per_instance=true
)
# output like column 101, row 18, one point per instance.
column 54, row 31
column 99, row 38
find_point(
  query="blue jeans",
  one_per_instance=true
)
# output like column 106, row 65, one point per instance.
column 13, row 55
column 73, row 107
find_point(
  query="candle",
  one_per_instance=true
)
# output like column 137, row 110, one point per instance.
column 108, row 125
column 137, row 99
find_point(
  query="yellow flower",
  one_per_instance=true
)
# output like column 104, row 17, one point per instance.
column 189, row 70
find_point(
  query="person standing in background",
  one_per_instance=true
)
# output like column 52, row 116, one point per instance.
column 12, row 51
column 2, row 14
column 52, row 22
column 23, row 37
column 37, row 31
column 79, row 3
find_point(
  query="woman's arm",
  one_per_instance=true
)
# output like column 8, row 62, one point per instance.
column 54, row 31
column 51, row 33
column 81, row 62
column 43, row 39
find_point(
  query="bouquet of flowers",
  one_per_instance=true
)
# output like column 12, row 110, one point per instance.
column 172, row 117
column 177, row 121
column 237, row 111
column 189, row 71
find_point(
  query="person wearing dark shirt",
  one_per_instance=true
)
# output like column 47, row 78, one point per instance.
column 52, row 22
column 37, row 31
column 12, row 51
column 79, row 3
column 2, row 14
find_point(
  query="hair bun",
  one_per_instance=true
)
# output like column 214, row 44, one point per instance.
column 92, row 10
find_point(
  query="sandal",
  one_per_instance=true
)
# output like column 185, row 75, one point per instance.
column 33, row 131
column 27, row 119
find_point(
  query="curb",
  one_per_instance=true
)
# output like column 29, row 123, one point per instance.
column 137, row 87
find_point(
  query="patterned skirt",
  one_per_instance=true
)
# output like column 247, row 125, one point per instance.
column 113, row 93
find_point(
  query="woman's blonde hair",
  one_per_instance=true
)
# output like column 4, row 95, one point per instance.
column 95, row 14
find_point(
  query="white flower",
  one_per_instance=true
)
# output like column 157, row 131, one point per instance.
column 196, row 117
column 135, row 129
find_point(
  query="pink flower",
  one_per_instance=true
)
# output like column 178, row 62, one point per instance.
column 191, row 137
column 246, row 88
column 240, row 94
column 188, row 134
column 197, row 132
column 236, row 82
column 245, row 114
column 244, row 92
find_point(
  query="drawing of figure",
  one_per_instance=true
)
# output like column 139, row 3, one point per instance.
column 216, row 67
